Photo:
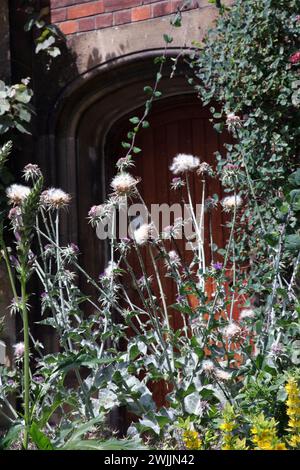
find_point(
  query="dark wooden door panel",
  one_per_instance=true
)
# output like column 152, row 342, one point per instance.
column 177, row 125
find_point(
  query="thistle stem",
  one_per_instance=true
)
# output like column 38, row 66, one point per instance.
column 26, row 366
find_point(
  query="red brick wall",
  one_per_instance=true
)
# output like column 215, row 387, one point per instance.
column 77, row 16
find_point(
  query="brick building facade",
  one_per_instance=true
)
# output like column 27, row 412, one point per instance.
column 75, row 16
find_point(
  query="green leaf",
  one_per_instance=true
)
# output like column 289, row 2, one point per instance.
column 21, row 128
column 271, row 238
column 110, row 444
column 292, row 242
column 294, row 178
column 295, row 199
column 11, row 436
column 149, row 423
column 53, row 51
column 125, row 145
column 85, row 427
column 192, row 404
column 48, row 411
column 281, row 395
column 136, row 150
column 168, row 39
column 176, row 20
column 4, row 106
column 219, row 126
column 133, row 352
column 45, row 44
column 134, row 120
column 39, row 438
column 148, row 89
column 160, row 60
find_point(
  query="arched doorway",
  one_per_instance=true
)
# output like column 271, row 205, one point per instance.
column 179, row 124
column 91, row 138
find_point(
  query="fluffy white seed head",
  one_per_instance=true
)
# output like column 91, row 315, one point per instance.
column 208, row 367
column 55, row 198
column 230, row 202
column 17, row 193
column 173, row 261
column 123, row 183
column 247, row 313
column 142, row 234
column 19, row 349
column 183, row 163
column 232, row 331
column 222, row 375
column 174, row 258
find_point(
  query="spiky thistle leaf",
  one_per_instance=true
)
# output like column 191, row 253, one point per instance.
column 5, row 150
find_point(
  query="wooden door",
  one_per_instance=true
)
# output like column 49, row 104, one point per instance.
column 177, row 125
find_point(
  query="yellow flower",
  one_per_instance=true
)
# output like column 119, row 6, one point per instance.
column 192, row 440
column 280, row 446
column 265, row 445
column 226, row 447
column 230, row 441
column 227, row 427
column 294, row 441
column 264, row 434
column 293, row 411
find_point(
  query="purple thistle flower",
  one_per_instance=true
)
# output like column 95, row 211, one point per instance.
column 74, row 248
column 217, row 266
column 39, row 379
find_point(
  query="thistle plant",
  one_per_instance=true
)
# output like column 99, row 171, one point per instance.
column 25, row 202
column 85, row 343
column 198, row 360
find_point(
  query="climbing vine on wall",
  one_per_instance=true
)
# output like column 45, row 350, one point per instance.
column 249, row 65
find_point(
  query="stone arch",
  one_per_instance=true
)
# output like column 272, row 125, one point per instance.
column 86, row 112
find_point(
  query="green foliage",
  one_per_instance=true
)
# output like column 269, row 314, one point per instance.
column 245, row 67
column 5, row 178
column 48, row 35
column 15, row 109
